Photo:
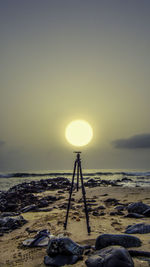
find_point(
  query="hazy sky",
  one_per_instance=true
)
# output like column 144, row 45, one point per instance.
column 68, row 59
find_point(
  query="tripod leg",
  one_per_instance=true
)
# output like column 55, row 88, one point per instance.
column 69, row 200
column 84, row 198
column 77, row 177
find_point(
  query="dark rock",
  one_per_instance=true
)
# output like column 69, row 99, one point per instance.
column 120, row 207
column 125, row 179
column 63, row 245
column 134, row 215
column 111, row 201
column 91, row 200
column 43, row 203
column 110, row 257
column 101, row 213
column 61, row 260
column 60, row 192
column 113, row 213
column 88, row 252
column 139, row 253
column 92, row 183
column 29, row 208
column 95, row 213
column 138, row 207
column 10, row 214
column 64, row 206
column 147, row 213
column 43, row 210
column 11, row 223
column 121, row 240
column 101, row 207
column 30, row 230
column 140, row 228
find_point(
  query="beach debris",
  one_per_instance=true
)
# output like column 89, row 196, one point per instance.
column 8, row 224
column 126, row 241
column 40, row 240
column 140, row 228
column 137, row 207
column 61, row 260
column 110, row 257
column 63, row 250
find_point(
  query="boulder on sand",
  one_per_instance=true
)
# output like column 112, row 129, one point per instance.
column 62, row 251
column 61, row 260
column 11, row 223
column 140, row 228
column 137, row 207
column 114, row 256
column 126, row 241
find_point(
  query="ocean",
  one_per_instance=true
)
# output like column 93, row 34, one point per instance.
column 135, row 177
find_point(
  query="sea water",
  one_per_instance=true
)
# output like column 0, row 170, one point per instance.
column 138, row 177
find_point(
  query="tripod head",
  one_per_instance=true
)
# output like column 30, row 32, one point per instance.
column 78, row 155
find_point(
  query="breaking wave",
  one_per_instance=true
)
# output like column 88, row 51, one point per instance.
column 45, row 174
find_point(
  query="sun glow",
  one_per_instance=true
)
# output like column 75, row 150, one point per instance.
column 79, row 133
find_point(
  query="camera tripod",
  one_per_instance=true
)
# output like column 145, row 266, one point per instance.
column 77, row 165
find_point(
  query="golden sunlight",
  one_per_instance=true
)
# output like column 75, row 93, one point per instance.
column 79, row 133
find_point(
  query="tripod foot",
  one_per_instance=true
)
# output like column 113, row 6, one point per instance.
column 65, row 226
column 89, row 230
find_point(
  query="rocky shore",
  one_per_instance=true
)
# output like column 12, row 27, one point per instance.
column 119, row 220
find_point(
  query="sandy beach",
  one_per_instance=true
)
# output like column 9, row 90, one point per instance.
column 14, row 254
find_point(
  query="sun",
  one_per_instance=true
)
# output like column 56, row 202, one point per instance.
column 79, row 133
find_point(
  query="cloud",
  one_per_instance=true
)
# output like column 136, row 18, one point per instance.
column 140, row 141
column 2, row 143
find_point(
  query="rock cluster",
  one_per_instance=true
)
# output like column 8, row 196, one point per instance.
column 20, row 198
column 92, row 182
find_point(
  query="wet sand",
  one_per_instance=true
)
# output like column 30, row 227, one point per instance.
column 12, row 252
